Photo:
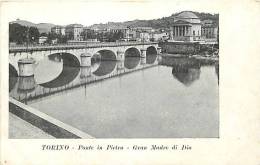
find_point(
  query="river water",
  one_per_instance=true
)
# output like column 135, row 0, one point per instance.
column 177, row 98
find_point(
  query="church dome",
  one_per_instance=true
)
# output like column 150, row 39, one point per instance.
column 188, row 16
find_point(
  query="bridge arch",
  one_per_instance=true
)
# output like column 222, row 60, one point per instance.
column 132, row 52
column 103, row 62
column 13, row 77
column 12, row 71
column 65, row 71
column 69, row 59
column 107, row 55
column 151, row 50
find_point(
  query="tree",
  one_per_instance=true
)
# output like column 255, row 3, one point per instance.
column 17, row 33
column 22, row 34
column 33, row 34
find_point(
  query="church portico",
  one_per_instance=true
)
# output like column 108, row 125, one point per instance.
column 187, row 27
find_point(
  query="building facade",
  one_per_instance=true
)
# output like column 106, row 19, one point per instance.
column 186, row 27
column 74, row 32
column 159, row 36
column 42, row 39
column 58, row 30
column 143, row 36
column 209, row 30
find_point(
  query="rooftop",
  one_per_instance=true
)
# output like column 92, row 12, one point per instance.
column 74, row 25
column 187, row 14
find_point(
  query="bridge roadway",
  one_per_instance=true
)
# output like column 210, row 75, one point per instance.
column 26, row 89
column 23, row 59
column 24, row 48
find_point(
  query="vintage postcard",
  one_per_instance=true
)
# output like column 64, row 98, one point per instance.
column 130, row 82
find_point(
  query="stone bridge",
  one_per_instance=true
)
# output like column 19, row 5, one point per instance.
column 26, row 89
column 23, row 60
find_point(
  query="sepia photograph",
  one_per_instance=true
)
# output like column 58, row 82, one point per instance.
column 154, row 78
column 135, row 82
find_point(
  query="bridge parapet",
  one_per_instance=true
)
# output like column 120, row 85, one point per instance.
column 22, row 48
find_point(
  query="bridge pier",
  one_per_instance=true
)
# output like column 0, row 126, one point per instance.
column 143, row 53
column 26, row 84
column 26, row 67
column 120, row 56
column 120, row 65
column 85, row 71
column 85, row 60
column 159, row 50
column 143, row 61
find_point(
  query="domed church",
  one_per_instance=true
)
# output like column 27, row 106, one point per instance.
column 186, row 27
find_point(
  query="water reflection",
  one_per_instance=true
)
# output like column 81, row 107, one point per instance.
column 12, row 82
column 175, row 110
column 57, row 57
column 71, row 76
column 186, row 70
column 105, row 68
column 131, row 62
column 67, row 75
column 217, row 70
column 13, row 77
column 52, row 68
column 186, row 74
column 85, row 72
column 26, row 84
column 150, row 59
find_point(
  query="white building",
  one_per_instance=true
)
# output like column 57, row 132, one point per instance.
column 42, row 39
column 160, row 36
column 58, row 30
column 74, row 31
column 209, row 30
column 186, row 27
column 143, row 36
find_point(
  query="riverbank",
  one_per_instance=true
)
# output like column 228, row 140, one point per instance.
column 21, row 129
column 198, row 57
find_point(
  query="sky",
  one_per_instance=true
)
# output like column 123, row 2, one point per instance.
column 88, row 12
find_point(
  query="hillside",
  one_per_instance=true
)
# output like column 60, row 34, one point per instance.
column 24, row 22
column 164, row 22
column 42, row 27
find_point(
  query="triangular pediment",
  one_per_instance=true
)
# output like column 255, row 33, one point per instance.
column 181, row 22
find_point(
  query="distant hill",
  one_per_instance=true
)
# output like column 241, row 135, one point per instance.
column 42, row 27
column 24, row 22
column 165, row 22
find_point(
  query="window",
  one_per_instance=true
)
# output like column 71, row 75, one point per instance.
column 194, row 32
